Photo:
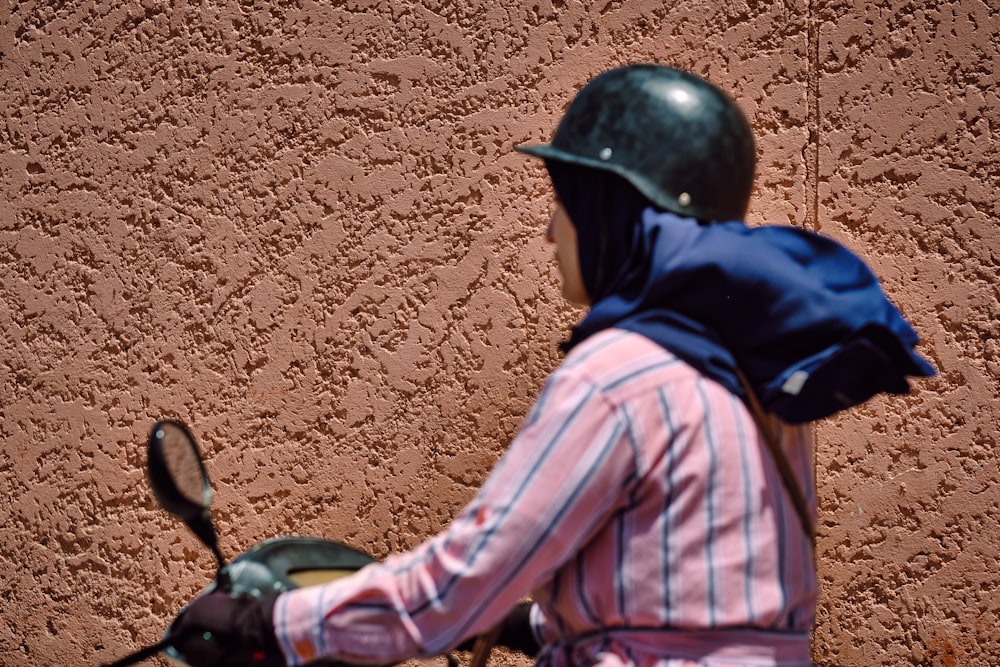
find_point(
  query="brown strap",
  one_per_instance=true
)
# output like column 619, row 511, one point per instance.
column 788, row 478
column 484, row 645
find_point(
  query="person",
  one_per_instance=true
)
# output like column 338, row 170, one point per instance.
column 657, row 504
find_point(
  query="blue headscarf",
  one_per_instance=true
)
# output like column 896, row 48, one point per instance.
column 801, row 316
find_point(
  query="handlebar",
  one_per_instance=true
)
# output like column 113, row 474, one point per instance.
column 141, row 654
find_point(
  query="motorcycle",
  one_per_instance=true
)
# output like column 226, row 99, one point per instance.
column 180, row 484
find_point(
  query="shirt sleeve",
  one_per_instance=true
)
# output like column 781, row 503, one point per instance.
column 567, row 470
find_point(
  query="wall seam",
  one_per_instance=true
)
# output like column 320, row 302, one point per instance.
column 812, row 118
column 812, row 172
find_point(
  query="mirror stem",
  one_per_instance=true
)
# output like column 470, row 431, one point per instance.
column 222, row 579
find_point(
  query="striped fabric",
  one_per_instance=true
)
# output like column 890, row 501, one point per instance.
column 640, row 506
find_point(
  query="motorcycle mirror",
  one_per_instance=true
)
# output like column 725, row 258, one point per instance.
column 176, row 471
column 180, row 484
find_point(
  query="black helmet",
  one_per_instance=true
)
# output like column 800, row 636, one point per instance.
column 681, row 141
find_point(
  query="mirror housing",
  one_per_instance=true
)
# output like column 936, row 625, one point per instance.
column 170, row 442
column 180, row 484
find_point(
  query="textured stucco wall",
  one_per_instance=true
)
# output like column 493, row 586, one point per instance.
column 301, row 229
column 909, row 171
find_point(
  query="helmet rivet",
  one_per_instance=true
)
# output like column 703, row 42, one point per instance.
column 684, row 199
column 605, row 153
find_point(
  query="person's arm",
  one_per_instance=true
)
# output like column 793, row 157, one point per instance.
column 563, row 474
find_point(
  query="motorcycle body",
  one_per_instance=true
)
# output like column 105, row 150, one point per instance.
column 180, row 484
column 281, row 564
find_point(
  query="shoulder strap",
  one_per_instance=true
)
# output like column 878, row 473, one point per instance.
column 484, row 646
column 788, row 479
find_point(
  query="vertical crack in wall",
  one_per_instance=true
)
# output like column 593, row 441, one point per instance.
column 812, row 155
column 812, row 118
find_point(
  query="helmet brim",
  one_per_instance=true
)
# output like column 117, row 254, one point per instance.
column 550, row 152
column 544, row 151
column 655, row 195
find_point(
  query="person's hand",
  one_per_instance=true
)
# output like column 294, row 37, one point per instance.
column 222, row 630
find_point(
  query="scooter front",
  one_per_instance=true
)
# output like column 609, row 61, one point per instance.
column 180, row 484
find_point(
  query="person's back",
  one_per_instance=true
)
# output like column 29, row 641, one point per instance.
column 704, row 545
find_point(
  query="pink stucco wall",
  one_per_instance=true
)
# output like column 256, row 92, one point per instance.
column 302, row 230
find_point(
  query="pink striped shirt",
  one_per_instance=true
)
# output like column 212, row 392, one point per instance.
column 639, row 505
